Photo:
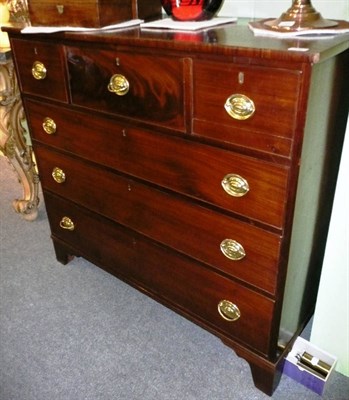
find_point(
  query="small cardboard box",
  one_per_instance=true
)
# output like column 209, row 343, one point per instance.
column 308, row 373
column 91, row 13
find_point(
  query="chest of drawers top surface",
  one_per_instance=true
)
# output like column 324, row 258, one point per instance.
column 228, row 40
column 176, row 162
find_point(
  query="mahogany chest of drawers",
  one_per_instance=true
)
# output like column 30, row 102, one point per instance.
column 199, row 168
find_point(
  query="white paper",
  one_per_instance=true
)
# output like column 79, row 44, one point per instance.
column 310, row 34
column 169, row 23
column 53, row 29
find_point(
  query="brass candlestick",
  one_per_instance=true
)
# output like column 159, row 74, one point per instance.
column 300, row 16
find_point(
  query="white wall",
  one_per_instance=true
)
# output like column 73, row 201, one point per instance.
column 331, row 320
column 338, row 9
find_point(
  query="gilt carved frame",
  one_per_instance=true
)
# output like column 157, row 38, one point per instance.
column 14, row 140
column 18, row 10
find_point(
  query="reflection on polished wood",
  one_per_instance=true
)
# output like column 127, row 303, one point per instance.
column 14, row 141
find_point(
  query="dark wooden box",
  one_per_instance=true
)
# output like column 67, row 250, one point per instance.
column 91, row 13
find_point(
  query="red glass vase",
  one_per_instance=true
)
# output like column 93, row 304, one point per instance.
column 191, row 10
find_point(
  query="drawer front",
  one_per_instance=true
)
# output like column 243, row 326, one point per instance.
column 253, row 107
column 41, row 69
column 244, row 185
column 143, row 87
column 236, row 248
column 183, row 284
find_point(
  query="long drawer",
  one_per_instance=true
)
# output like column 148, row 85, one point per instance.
column 186, row 285
column 234, row 247
column 244, row 185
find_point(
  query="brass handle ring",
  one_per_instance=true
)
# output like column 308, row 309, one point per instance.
column 67, row 224
column 49, row 126
column 39, row 70
column 239, row 106
column 228, row 310
column 58, row 175
column 119, row 85
column 235, row 185
column 232, row 249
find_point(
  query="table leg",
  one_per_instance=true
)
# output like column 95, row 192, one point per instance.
column 15, row 141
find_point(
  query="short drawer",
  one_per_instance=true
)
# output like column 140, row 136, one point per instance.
column 238, row 249
column 142, row 87
column 41, row 68
column 249, row 106
column 187, row 286
column 244, row 185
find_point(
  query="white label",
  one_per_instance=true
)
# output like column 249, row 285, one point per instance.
column 302, row 49
column 315, row 361
column 286, row 24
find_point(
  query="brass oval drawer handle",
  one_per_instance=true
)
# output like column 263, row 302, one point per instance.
column 235, row 185
column 228, row 310
column 49, row 126
column 67, row 224
column 239, row 106
column 119, row 85
column 58, row 175
column 232, row 249
column 39, row 70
